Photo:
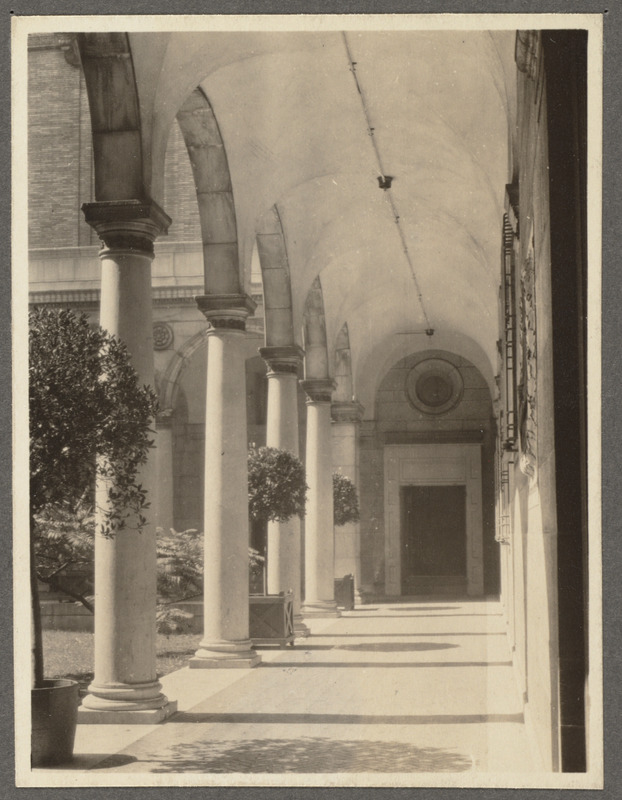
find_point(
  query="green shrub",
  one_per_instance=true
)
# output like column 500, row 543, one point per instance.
column 345, row 500
column 277, row 486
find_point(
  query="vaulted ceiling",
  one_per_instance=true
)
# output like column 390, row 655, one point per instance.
column 310, row 121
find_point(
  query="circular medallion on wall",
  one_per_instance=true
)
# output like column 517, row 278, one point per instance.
column 162, row 335
column 434, row 386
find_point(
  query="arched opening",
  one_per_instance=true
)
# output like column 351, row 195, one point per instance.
column 427, row 481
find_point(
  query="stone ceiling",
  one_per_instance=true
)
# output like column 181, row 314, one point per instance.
column 294, row 118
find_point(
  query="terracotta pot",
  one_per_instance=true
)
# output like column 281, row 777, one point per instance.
column 54, row 719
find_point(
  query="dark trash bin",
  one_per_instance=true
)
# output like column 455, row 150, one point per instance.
column 344, row 592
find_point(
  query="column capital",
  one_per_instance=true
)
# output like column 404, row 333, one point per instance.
column 226, row 311
column 164, row 418
column 318, row 390
column 131, row 225
column 347, row 411
column 282, row 359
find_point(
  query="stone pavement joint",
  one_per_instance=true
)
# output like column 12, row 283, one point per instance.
column 402, row 688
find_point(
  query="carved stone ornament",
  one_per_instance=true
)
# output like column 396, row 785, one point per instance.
column 162, row 336
column 226, row 311
column 434, row 386
column 126, row 225
column 528, row 365
column 318, row 390
column 344, row 411
column 282, row 360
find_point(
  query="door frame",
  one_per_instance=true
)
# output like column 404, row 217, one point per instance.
column 429, row 465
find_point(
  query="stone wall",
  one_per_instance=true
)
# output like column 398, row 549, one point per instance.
column 545, row 566
column 60, row 160
column 397, row 421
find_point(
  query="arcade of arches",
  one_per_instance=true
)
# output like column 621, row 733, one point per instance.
column 376, row 274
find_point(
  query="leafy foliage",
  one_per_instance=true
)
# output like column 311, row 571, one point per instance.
column 345, row 500
column 89, row 418
column 180, row 564
column 277, row 487
column 63, row 544
column 170, row 619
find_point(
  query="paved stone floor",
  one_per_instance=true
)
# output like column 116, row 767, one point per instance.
column 388, row 688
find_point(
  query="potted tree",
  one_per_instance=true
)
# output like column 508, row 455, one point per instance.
column 276, row 492
column 345, row 510
column 89, row 419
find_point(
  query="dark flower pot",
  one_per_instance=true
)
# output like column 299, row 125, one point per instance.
column 54, row 719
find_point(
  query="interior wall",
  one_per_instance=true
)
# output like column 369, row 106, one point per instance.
column 546, row 600
column 397, row 421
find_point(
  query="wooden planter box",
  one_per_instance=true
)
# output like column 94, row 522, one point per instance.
column 344, row 592
column 271, row 619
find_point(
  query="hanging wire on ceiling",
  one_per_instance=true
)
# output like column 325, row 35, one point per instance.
column 385, row 181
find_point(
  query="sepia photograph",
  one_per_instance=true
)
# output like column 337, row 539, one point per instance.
column 306, row 352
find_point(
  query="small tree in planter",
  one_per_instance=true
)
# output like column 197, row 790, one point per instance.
column 345, row 500
column 89, row 419
column 277, row 491
column 345, row 510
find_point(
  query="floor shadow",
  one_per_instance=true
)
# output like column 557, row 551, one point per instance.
column 416, row 607
column 380, row 664
column 277, row 718
column 448, row 616
column 306, row 755
column 395, row 647
column 116, row 760
column 414, row 616
column 399, row 634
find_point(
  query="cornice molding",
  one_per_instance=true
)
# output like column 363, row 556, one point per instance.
column 181, row 295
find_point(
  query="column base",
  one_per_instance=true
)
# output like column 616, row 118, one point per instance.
column 225, row 655
column 301, row 631
column 321, row 608
column 120, row 697
column 151, row 716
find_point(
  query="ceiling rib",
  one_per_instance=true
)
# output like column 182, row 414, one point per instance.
column 384, row 181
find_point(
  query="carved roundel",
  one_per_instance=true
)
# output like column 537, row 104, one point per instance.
column 162, row 335
column 434, row 386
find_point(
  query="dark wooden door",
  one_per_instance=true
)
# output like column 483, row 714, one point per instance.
column 433, row 531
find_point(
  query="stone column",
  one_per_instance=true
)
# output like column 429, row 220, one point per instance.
column 225, row 641
column 319, row 530
column 163, row 499
column 346, row 420
column 125, row 688
column 284, row 542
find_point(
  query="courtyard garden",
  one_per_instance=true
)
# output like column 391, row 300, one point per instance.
column 69, row 654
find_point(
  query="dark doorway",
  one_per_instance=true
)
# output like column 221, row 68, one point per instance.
column 433, row 539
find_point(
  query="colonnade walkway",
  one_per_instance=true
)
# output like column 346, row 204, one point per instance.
column 401, row 687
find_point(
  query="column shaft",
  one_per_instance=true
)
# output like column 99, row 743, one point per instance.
column 345, row 449
column 125, row 688
column 284, row 549
column 225, row 641
column 282, row 432
column 319, row 528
